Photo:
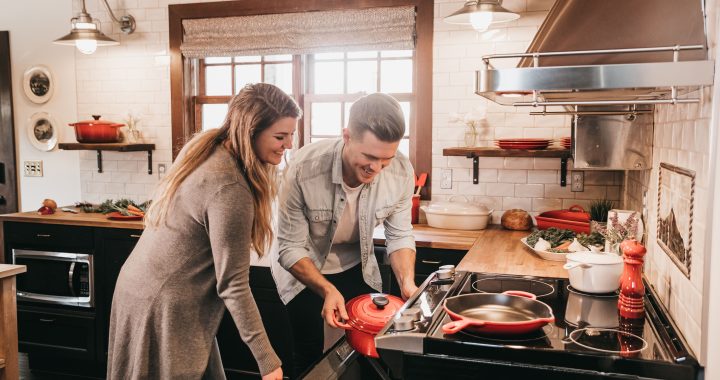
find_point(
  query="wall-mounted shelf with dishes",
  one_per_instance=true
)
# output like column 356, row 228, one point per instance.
column 475, row 153
column 116, row 147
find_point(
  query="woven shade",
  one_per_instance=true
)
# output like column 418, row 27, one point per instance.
column 300, row 33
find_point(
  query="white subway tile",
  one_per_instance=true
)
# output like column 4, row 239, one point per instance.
column 500, row 189
column 510, row 203
column 546, row 204
column 518, row 163
column 557, row 191
column 512, row 176
column 532, row 191
column 542, row 176
column 468, row 188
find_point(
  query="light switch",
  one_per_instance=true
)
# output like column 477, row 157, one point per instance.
column 33, row 168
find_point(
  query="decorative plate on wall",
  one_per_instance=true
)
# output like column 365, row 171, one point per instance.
column 38, row 84
column 42, row 131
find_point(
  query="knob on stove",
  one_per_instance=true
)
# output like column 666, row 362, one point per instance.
column 404, row 323
column 444, row 274
column 414, row 312
column 451, row 268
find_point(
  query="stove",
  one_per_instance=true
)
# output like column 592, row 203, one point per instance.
column 588, row 339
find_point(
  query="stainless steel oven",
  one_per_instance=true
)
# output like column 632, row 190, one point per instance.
column 55, row 277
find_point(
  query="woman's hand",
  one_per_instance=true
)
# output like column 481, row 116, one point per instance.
column 276, row 374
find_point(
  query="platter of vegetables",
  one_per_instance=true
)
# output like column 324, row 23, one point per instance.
column 554, row 243
column 123, row 209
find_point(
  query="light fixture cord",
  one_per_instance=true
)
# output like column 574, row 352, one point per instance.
column 112, row 15
column 83, row 3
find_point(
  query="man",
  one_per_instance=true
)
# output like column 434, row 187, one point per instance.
column 334, row 194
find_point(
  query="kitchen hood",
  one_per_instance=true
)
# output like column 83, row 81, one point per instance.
column 606, row 53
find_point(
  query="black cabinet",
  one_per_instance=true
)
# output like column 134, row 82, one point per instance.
column 427, row 261
column 67, row 333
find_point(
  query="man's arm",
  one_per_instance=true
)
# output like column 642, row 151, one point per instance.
column 334, row 305
column 403, row 265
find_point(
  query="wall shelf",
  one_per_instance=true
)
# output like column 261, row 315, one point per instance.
column 475, row 153
column 116, row 147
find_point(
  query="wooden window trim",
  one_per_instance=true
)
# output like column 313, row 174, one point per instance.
column 183, row 109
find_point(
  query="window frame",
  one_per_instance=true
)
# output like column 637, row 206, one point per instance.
column 182, row 72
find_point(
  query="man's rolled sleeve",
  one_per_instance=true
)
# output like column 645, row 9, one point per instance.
column 293, row 226
column 398, row 226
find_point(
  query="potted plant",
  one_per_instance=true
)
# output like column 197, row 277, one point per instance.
column 599, row 213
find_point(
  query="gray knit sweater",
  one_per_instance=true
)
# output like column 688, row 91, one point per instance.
column 172, row 291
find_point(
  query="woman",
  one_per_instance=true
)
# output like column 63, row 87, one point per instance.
column 193, row 258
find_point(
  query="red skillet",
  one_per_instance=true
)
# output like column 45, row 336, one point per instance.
column 508, row 313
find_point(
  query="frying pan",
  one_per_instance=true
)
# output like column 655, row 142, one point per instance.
column 509, row 313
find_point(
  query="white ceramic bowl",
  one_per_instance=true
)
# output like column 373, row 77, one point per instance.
column 594, row 272
column 547, row 255
column 457, row 215
column 586, row 310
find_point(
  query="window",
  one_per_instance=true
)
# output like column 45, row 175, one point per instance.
column 325, row 85
column 335, row 81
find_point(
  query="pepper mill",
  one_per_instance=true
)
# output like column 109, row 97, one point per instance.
column 631, row 301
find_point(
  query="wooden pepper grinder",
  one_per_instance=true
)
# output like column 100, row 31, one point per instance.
column 631, row 302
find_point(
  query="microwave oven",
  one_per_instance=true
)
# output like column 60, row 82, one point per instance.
column 55, row 277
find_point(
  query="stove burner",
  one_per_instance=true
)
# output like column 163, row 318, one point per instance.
column 608, row 340
column 535, row 335
column 614, row 294
column 502, row 284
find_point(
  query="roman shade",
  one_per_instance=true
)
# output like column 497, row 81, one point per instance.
column 300, row 33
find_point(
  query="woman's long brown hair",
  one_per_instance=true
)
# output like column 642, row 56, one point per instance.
column 255, row 108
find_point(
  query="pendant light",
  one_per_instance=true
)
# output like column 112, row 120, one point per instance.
column 86, row 35
column 481, row 13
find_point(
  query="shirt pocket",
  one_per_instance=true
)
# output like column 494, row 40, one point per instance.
column 319, row 221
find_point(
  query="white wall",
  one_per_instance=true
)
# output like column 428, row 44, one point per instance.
column 505, row 183
column 33, row 25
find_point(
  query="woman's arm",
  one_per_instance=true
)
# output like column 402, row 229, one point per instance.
column 230, row 214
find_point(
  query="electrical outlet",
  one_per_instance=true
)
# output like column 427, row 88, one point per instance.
column 33, row 168
column 446, row 180
column 161, row 171
column 578, row 181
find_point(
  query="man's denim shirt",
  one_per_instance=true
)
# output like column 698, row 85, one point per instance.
column 312, row 201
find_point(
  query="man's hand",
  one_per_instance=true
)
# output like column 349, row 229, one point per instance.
column 276, row 374
column 334, row 308
column 408, row 289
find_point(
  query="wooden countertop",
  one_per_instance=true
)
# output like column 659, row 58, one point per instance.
column 493, row 250
column 70, row 219
column 7, row 270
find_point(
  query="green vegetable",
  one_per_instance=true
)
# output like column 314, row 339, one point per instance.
column 594, row 238
column 554, row 236
column 110, row 205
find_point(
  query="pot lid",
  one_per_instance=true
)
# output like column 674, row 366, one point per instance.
column 588, row 257
column 97, row 122
column 457, row 208
column 370, row 312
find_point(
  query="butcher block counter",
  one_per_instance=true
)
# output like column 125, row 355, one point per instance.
column 70, row 219
column 493, row 250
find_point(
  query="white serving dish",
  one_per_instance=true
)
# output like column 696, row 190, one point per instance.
column 552, row 256
column 592, row 272
column 457, row 215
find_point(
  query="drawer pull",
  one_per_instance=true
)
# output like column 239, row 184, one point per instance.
column 46, row 320
column 134, row 236
column 430, row 262
column 43, row 235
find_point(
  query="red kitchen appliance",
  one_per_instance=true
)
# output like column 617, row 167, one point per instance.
column 97, row 131
column 368, row 314
column 575, row 218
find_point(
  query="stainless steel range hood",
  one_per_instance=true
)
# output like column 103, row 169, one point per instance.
column 606, row 52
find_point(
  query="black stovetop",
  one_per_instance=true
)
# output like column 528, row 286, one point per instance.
column 587, row 334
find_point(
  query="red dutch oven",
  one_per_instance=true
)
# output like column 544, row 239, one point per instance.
column 368, row 314
column 575, row 219
column 97, row 131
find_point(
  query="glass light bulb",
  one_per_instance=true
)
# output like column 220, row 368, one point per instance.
column 86, row 46
column 481, row 20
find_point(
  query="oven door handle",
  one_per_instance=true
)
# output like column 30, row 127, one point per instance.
column 71, row 273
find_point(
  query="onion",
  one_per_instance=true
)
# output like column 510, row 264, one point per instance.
column 50, row 203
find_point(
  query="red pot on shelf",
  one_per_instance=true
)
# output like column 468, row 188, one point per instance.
column 368, row 314
column 97, row 131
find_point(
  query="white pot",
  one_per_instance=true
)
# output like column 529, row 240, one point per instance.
column 594, row 272
column 457, row 215
column 585, row 310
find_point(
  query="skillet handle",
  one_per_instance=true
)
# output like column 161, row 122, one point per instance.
column 456, row 326
column 520, row 293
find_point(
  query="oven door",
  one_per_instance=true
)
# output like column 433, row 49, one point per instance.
column 55, row 277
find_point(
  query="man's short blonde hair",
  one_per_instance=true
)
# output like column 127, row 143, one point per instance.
column 380, row 114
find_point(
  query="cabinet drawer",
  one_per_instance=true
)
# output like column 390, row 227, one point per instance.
column 428, row 260
column 57, row 333
column 53, row 235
